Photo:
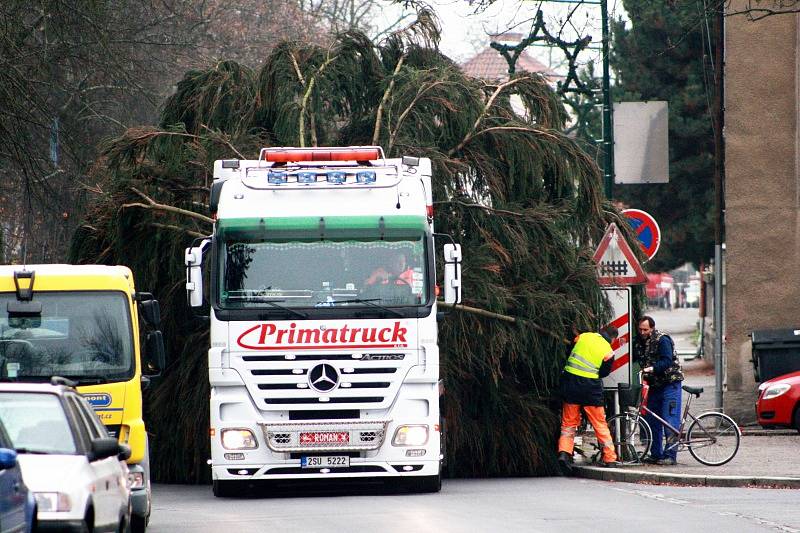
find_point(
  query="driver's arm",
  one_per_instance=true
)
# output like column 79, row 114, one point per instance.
column 379, row 275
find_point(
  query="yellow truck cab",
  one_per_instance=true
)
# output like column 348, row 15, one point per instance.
column 81, row 322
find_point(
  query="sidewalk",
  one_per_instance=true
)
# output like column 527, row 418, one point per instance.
column 766, row 458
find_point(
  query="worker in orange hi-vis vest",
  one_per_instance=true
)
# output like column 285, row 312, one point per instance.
column 582, row 388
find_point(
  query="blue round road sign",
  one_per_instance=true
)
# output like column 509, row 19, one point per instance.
column 646, row 229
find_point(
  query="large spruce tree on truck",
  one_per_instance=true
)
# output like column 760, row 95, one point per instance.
column 520, row 195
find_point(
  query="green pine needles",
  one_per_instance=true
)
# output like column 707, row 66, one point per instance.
column 522, row 198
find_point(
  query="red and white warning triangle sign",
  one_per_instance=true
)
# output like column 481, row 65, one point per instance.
column 616, row 264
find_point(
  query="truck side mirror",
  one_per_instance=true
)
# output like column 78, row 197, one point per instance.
column 194, row 273
column 151, row 312
column 156, row 355
column 452, row 273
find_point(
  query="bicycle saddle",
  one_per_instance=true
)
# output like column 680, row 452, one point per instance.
column 693, row 390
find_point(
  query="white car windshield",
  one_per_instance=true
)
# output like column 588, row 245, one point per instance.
column 36, row 423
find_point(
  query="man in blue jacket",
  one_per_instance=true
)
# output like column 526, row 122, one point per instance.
column 655, row 352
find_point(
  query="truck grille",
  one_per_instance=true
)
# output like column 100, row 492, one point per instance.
column 362, row 435
column 362, row 380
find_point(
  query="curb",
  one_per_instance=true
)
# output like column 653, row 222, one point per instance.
column 621, row 474
column 761, row 432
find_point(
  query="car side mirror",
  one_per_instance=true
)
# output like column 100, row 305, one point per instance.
column 8, row 458
column 104, row 447
column 156, row 355
column 124, row 452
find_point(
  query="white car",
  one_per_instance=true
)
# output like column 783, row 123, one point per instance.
column 75, row 470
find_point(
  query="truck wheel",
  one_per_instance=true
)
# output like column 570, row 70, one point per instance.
column 87, row 526
column 425, row 484
column 124, row 525
column 138, row 523
column 225, row 489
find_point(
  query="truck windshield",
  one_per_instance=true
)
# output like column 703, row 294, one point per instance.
column 323, row 273
column 82, row 335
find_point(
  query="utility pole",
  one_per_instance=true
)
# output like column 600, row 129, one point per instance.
column 719, row 198
column 608, row 125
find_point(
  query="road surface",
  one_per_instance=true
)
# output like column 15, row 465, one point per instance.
column 495, row 505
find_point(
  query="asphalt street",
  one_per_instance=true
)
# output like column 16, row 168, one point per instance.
column 507, row 505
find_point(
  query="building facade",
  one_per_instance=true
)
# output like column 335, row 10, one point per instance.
column 762, row 190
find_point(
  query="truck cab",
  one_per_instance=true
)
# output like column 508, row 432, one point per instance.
column 83, row 323
column 324, row 358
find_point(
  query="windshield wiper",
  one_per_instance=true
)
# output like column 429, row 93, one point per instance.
column 88, row 381
column 275, row 304
column 28, row 450
column 370, row 301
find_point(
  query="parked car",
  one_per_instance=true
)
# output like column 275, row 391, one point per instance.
column 17, row 505
column 778, row 403
column 75, row 470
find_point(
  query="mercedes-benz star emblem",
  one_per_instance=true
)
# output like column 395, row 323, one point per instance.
column 323, row 377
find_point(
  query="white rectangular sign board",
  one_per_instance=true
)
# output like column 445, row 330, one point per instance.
column 622, row 319
column 641, row 146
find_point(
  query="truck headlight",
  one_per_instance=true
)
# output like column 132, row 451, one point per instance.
column 410, row 436
column 776, row 390
column 238, row 439
column 52, row 502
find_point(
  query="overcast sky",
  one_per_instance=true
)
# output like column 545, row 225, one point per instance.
column 464, row 32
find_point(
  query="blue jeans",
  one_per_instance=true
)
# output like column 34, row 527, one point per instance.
column 665, row 402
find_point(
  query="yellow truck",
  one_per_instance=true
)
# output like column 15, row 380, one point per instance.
column 82, row 322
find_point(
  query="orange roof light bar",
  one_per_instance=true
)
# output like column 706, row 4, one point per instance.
column 292, row 155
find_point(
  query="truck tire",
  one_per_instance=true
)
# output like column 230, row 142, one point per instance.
column 87, row 526
column 138, row 523
column 426, row 484
column 225, row 489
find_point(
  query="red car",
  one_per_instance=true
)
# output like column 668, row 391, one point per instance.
column 778, row 402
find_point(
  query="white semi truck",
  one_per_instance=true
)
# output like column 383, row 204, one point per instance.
column 322, row 289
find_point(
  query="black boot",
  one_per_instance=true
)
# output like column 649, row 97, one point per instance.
column 565, row 463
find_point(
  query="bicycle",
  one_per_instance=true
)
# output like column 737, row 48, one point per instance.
column 712, row 438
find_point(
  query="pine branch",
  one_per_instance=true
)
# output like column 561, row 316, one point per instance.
column 304, row 103
column 481, row 206
column 498, row 316
column 177, row 228
column 152, row 204
column 379, row 115
column 468, row 138
column 406, row 111
column 215, row 135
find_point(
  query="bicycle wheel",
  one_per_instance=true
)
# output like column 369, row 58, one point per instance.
column 713, row 439
column 631, row 435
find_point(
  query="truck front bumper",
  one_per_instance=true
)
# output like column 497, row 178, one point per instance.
column 358, row 468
